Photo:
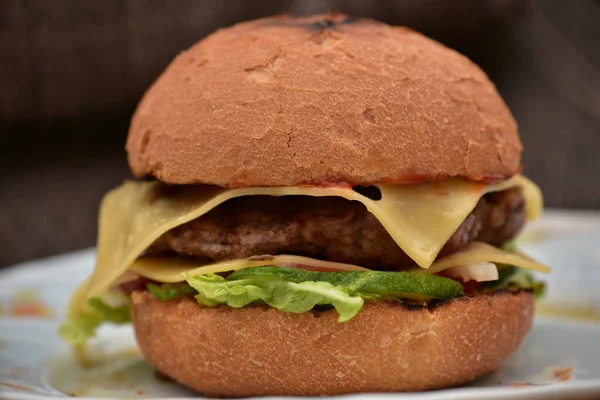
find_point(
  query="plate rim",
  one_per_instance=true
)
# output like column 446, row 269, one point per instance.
column 587, row 219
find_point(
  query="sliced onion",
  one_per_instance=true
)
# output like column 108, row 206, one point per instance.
column 115, row 298
column 479, row 272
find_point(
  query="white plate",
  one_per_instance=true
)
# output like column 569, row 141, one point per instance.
column 559, row 359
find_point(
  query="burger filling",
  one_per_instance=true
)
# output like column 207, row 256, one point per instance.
column 327, row 228
column 295, row 249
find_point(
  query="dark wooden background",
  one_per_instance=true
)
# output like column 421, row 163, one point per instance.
column 71, row 73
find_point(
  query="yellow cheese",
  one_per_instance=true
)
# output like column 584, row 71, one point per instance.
column 419, row 217
column 170, row 269
column 478, row 252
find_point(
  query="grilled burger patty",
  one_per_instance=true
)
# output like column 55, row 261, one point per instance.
column 327, row 228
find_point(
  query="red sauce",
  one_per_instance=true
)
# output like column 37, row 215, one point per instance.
column 564, row 374
column 15, row 386
column 329, row 184
column 520, row 384
column 420, row 177
column 137, row 284
column 310, row 267
column 492, row 179
column 469, row 287
column 413, row 177
column 406, row 179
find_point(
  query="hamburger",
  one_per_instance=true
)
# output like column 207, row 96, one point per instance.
column 324, row 205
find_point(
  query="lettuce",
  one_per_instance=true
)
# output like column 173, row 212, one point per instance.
column 83, row 325
column 509, row 275
column 287, row 289
column 385, row 284
column 524, row 279
column 170, row 291
column 298, row 291
column 286, row 296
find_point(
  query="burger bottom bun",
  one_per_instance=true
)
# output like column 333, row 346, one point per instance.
column 387, row 347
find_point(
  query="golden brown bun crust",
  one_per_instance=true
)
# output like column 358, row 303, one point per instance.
column 387, row 347
column 324, row 99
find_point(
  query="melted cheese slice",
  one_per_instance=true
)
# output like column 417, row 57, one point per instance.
column 171, row 269
column 478, row 252
column 420, row 217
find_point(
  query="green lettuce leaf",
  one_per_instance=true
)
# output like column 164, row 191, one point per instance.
column 509, row 275
column 525, row 279
column 170, row 291
column 278, row 293
column 393, row 285
column 83, row 325
column 511, row 246
column 298, row 291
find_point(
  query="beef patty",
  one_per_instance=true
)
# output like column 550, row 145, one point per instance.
column 327, row 228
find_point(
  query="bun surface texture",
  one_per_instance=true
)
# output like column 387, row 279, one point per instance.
column 286, row 101
column 386, row 347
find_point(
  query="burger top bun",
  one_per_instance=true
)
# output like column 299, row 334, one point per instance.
column 319, row 100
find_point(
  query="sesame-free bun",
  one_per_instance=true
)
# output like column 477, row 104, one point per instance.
column 318, row 100
column 386, row 347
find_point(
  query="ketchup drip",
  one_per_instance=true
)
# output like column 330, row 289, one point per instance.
column 136, row 284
